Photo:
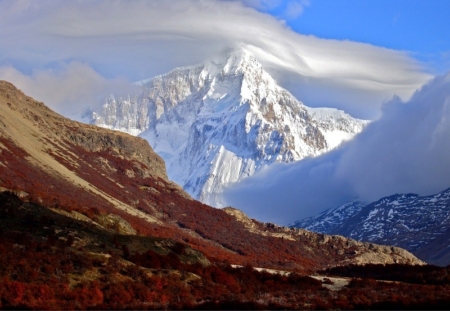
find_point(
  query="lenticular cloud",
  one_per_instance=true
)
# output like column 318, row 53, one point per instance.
column 141, row 39
column 406, row 150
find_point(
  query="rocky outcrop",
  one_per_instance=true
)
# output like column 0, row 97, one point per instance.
column 352, row 251
column 115, row 223
column 365, row 253
column 121, row 145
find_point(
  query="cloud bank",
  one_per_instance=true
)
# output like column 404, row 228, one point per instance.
column 134, row 40
column 406, row 150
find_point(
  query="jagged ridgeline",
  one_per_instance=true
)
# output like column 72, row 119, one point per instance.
column 223, row 120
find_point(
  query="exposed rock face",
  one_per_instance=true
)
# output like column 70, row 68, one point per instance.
column 369, row 253
column 115, row 223
column 360, row 252
column 122, row 146
column 418, row 224
column 222, row 121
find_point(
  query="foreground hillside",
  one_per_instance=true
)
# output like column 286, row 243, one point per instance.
column 49, row 260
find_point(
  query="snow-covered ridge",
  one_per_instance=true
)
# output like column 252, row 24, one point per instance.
column 409, row 221
column 336, row 125
column 330, row 220
column 223, row 120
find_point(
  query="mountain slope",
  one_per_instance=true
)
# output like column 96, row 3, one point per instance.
column 92, row 173
column 331, row 219
column 418, row 224
column 222, row 121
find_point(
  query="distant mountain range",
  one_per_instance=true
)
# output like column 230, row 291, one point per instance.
column 418, row 224
column 221, row 121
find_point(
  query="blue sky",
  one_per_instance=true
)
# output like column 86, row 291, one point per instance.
column 351, row 55
column 417, row 26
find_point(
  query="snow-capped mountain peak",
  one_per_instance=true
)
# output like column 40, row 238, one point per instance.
column 232, row 61
column 223, row 120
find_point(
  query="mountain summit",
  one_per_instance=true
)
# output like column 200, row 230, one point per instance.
column 223, row 120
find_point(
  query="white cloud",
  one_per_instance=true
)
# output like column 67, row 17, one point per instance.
column 406, row 150
column 140, row 39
